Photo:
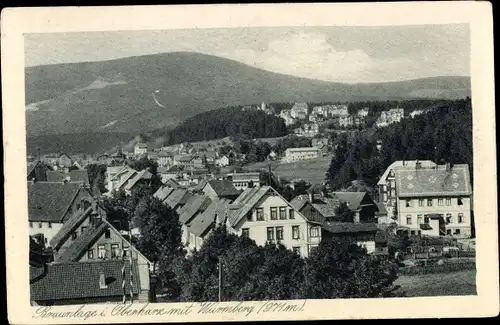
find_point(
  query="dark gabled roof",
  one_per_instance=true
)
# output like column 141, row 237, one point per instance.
column 349, row 227
column 298, row 203
column 142, row 175
column 72, row 176
column 81, row 280
column 353, row 199
column 202, row 223
column 173, row 183
column 69, row 227
column 48, row 202
column 176, row 197
column 196, row 204
column 163, row 192
column 82, row 243
column 223, row 188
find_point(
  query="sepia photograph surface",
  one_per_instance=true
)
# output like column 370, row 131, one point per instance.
column 266, row 170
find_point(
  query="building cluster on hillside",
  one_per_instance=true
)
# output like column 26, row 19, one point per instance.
column 394, row 115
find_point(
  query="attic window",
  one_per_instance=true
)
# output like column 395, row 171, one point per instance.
column 460, row 202
column 107, row 233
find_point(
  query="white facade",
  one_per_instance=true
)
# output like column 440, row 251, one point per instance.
column 275, row 224
column 48, row 229
column 140, row 149
column 299, row 154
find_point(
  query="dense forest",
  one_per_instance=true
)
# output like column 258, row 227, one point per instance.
column 229, row 121
column 443, row 135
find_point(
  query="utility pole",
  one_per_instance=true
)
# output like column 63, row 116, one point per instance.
column 220, row 278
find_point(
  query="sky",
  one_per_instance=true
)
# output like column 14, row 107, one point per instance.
column 340, row 54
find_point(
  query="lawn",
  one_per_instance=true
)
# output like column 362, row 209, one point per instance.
column 459, row 283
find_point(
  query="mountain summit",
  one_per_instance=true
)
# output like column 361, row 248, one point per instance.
column 141, row 93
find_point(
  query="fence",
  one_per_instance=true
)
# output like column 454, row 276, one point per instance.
column 437, row 268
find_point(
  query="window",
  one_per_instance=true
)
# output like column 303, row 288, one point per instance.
column 385, row 197
column 448, row 232
column 274, row 213
column 115, row 250
column 419, row 219
column 291, row 214
column 296, row 250
column 249, row 216
column 448, row 217
column 412, row 232
column 295, row 232
column 78, row 206
column 73, row 236
column 460, row 218
column 90, row 254
column 70, row 210
column 31, row 224
column 419, row 232
column 440, row 202
column 260, row 214
column 125, row 252
column 426, row 219
column 50, row 224
column 459, row 201
column 282, row 213
column 245, row 232
column 107, row 233
column 408, row 219
column 314, row 231
column 270, row 233
column 420, row 202
column 429, row 202
column 40, row 224
column 408, row 203
column 448, row 201
column 393, row 193
column 83, row 229
column 279, row 233
column 456, row 232
column 101, row 251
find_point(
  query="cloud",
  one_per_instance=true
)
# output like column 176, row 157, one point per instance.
column 306, row 55
column 310, row 55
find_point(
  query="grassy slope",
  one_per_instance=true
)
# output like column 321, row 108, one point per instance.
column 441, row 284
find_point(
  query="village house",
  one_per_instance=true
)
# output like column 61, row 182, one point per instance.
column 416, row 112
column 87, row 237
column 115, row 175
column 434, row 201
column 307, row 130
column 64, row 162
column 322, row 210
column 319, row 110
column 165, row 158
column 345, row 121
column 51, row 204
column 197, row 230
column 299, row 111
column 393, row 115
column 175, row 199
column 126, row 179
column 140, row 149
column 336, row 110
column 363, row 113
column 220, row 189
column 299, row 154
column 222, row 161
column 387, row 184
column 38, row 171
column 286, row 115
column 118, row 157
column 265, row 216
column 194, row 207
column 242, row 181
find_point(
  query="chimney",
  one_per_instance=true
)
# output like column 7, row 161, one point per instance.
column 310, row 195
column 356, row 217
column 102, row 280
column 418, row 165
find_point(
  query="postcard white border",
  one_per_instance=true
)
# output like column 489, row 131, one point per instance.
column 17, row 21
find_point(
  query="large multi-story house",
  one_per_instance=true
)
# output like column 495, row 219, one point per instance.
column 336, row 110
column 299, row 111
column 51, row 204
column 435, row 201
column 346, row 121
column 387, row 191
column 242, row 181
column 362, row 113
column 307, row 130
column 393, row 115
column 298, row 154
column 165, row 158
column 265, row 216
column 140, row 149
